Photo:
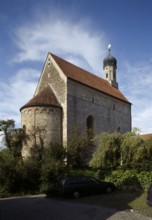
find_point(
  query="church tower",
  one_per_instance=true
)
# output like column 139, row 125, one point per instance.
column 110, row 66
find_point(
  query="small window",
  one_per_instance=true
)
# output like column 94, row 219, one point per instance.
column 24, row 128
column 49, row 62
column 90, row 127
column 106, row 75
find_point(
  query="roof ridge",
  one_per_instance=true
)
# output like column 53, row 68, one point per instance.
column 87, row 78
column 78, row 67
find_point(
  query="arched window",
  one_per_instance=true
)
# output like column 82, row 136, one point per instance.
column 90, row 127
column 24, row 128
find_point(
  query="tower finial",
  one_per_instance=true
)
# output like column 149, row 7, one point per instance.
column 109, row 47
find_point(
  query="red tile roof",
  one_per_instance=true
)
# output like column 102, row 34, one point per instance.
column 45, row 98
column 82, row 76
column 146, row 137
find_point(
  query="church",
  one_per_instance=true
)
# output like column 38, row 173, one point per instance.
column 69, row 97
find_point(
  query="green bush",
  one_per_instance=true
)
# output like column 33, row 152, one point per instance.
column 145, row 179
column 130, row 179
column 8, row 173
column 126, row 151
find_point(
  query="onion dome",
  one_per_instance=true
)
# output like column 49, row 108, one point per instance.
column 109, row 60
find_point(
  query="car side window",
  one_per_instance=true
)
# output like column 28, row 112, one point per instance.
column 84, row 180
column 91, row 180
column 73, row 181
column 70, row 181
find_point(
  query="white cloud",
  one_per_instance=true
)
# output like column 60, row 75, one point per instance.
column 137, row 85
column 63, row 37
column 18, row 90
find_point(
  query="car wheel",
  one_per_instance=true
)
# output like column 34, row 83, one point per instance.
column 76, row 194
column 108, row 189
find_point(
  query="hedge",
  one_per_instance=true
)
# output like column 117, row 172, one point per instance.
column 130, row 179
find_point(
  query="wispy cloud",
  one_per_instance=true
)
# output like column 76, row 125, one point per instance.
column 18, row 90
column 137, row 85
column 75, row 41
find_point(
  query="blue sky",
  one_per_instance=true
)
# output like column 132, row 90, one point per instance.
column 78, row 31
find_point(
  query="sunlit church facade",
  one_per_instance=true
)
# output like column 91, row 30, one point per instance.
column 67, row 97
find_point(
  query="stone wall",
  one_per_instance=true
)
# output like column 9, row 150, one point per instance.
column 109, row 114
column 53, row 76
column 47, row 120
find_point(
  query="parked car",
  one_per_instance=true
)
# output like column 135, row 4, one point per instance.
column 83, row 185
column 149, row 196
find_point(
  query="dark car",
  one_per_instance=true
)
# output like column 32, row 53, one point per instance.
column 83, row 185
column 149, row 196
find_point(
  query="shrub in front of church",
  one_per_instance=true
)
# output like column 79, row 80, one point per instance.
column 53, row 166
column 125, row 151
column 107, row 156
column 79, row 148
column 130, row 179
column 124, row 159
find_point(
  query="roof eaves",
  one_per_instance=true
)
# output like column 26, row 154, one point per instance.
column 40, row 105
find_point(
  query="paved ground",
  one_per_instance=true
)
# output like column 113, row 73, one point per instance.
column 41, row 208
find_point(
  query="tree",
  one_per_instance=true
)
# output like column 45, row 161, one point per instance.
column 42, row 167
column 13, row 137
column 53, row 164
column 36, row 137
column 79, row 149
column 18, row 136
column 6, row 127
column 134, row 150
column 128, row 151
column 12, row 174
column 107, row 155
column 33, row 163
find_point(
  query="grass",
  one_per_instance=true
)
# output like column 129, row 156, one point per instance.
column 120, row 200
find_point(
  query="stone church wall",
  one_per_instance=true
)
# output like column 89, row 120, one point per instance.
column 53, row 77
column 109, row 113
column 41, row 117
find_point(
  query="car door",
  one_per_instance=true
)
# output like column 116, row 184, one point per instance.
column 91, row 185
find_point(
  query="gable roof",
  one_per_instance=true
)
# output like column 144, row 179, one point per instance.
column 82, row 76
column 45, row 98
